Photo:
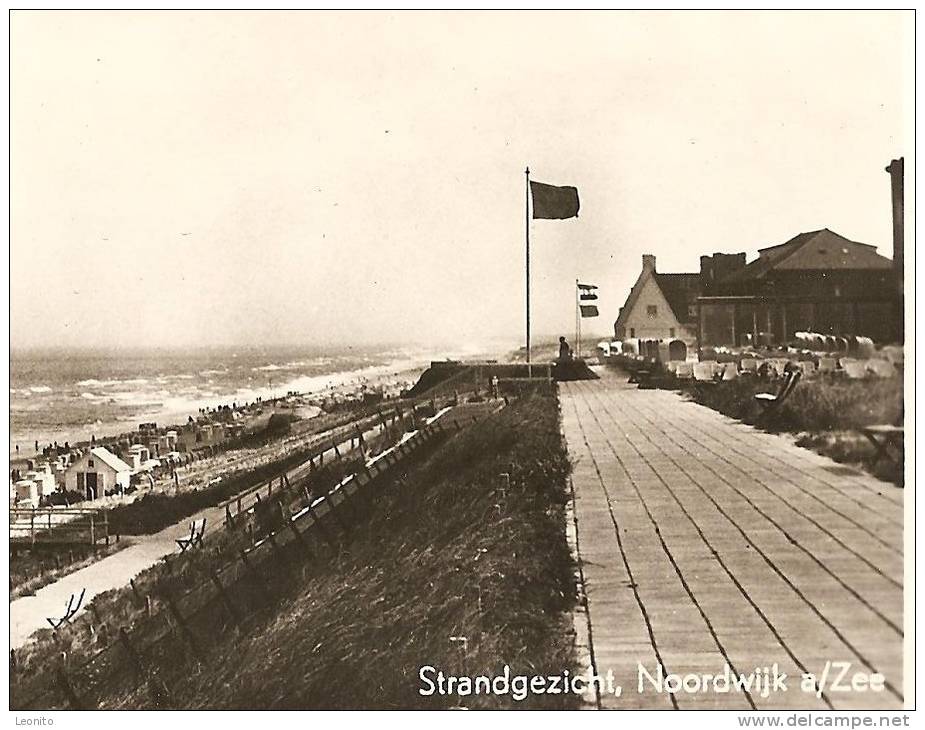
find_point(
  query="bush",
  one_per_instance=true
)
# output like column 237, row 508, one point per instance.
column 818, row 404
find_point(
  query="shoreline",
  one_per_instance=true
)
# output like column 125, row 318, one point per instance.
column 391, row 376
column 337, row 384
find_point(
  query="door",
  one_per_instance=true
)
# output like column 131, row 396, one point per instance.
column 91, row 484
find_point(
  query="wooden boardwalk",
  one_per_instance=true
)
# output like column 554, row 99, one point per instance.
column 704, row 542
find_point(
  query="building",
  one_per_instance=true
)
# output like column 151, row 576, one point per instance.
column 660, row 306
column 817, row 281
column 96, row 472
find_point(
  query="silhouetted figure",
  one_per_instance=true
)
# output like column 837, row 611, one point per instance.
column 565, row 350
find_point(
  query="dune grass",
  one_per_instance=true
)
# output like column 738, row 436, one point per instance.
column 825, row 412
column 445, row 554
column 446, row 550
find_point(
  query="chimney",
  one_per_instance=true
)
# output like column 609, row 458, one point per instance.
column 895, row 169
column 648, row 262
column 715, row 268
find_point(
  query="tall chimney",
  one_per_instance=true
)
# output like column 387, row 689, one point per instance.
column 648, row 262
column 895, row 169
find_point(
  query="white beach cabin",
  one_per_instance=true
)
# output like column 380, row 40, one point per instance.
column 96, row 471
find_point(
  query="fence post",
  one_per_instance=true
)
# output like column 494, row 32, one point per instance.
column 252, row 571
column 299, row 539
column 224, row 596
column 72, row 698
column 158, row 692
column 184, row 627
column 271, row 538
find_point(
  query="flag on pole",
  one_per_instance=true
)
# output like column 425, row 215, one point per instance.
column 586, row 292
column 550, row 201
column 588, row 310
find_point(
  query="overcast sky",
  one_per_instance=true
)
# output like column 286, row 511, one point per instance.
column 180, row 178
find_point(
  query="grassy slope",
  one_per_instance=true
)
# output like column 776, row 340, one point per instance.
column 356, row 633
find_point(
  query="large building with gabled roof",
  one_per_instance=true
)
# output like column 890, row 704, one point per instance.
column 817, row 281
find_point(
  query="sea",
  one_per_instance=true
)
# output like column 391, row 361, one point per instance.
column 70, row 394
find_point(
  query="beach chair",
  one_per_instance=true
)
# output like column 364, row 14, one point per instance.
column 69, row 612
column 197, row 528
column 639, row 375
column 827, row 364
column 771, row 402
column 894, row 353
column 749, row 365
column 703, row 372
column 865, row 347
column 854, row 369
column 880, row 368
column 685, row 370
column 777, row 367
column 888, row 440
column 807, row 367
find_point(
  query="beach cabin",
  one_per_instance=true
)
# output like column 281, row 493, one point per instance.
column 27, row 493
column 44, row 478
column 97, row 471
column 137, row 455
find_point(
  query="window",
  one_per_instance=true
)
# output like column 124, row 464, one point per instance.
column 90, row 464
column 632, row 331
column 652, row 310
column 671, row 332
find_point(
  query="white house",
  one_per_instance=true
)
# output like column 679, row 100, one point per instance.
column 96, row 472
column 660, row 306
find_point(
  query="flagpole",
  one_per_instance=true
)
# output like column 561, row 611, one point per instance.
column 577, row 321
column 527, row 228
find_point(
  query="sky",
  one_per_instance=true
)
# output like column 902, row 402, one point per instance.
column 183, row 178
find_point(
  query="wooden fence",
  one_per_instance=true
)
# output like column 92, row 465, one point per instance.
column 137, row 647
column 58, row 525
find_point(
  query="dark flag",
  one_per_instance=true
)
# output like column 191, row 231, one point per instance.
column 588, row 310
column 550, row 201
column 586, row 287
column 587, row 296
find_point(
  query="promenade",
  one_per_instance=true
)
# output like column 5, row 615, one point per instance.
column 704, row 542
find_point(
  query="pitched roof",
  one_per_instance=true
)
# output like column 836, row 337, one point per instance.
column 812, row 251
column 680, row 290
column 110, row 459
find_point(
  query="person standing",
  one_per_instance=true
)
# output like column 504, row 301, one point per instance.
column 565, row 350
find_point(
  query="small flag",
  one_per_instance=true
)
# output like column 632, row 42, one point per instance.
column 550, row 201
column 586, row 287
column 588, row 310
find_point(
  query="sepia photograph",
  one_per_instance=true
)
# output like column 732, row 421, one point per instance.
column 462, row 360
